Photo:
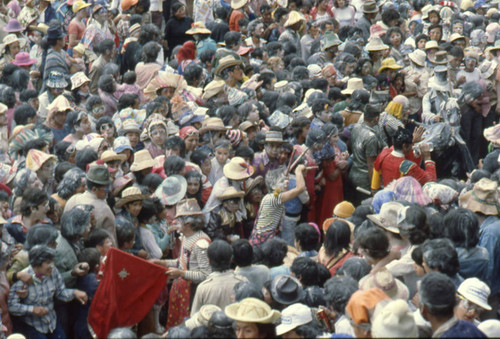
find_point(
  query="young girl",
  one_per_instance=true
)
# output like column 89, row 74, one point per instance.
column 157, row 133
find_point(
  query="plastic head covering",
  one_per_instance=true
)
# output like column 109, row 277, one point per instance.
column 380, row 198
column 439, row 193
column 24, row 178
column 409, row 189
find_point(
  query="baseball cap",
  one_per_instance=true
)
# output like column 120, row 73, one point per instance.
column 292, row 317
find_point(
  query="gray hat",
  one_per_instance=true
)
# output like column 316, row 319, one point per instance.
column 99, row 175
column 286, row 289
column 171, row 190
column 56, row 80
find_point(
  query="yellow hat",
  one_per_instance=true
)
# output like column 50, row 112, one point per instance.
column 80, row 48
column 36, row 159
column 389, row 63
column 344, row 209
column 213, row 88
column 79, row 5
column 394, row 109
column 293, row 18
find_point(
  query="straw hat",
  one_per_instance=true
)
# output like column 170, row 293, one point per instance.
column 120, row 183
column 246, row 125
column 130, row 194
column 237, row 4
column 129, row 125
column 388, row 216
column 60, row 104
column 188, row 207
column 293, row 18
column 456, row 36
column 375, row 44
column 78, row 79
column 36, row 159
column 492, row 134
column 252, row 310
column 41, row 27
column 440, row 58
column 9, row 39
column 212, row 124
column 79, row 5
column 227, row 61
column 231, row 193
column 482, row 198
column 238, row 169
column 488, row 67
column 111, row 155
column 198, row 28
column 389, row 63
column 431, row 44
column 370, row 7
column 80, row 48
column 352, row 85
column 384, row 280
column 142, row 160
column 171, row 190
column 252, row 183
column 213, row 88
column 418, row 56
column 329, row 40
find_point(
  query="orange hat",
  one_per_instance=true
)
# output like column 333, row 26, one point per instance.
column 126, row 4
column 362, row 304
column 36, row 159
column 343, row 209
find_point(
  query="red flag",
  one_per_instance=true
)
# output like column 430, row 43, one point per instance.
column 127, row 291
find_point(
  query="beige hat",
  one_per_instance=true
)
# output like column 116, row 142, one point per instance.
column 384, row 280
column 231, row 193
column 238, row 169
column 476, row 291
column 130, row 194
column 227, row 61
column 212, row 124
column 60, row 104
column 245, row 125
column 252, row 310
column 142, row 160
column 440, row 58
column 188, row 207
column 10, row 39
column 293, row 18
column 35, row 159
column 3, row 108
column 213, row 88
column 431, row 44
column 456, row 36
column 198, row 28
column 482, row 198
column 352, row 85
column 202, row 317
column 394, row 320
column 111, row 155
column 80, row 48
column 418, row 56
column 388, row 216
column 375, row 44
column 78, row 79
column 237, row 4
column 252, row 183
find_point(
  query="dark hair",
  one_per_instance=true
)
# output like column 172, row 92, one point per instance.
column 389, row 15
column 74, row 223
column 207, row 56
column 125, row 233
column 266, row 330
column 441, row 255
column 456, row 52
column 226, row 113
column 23, row 113
column 275, row 251
column 244, row 152
column 374, row 241
column 200, row 155
column 354, row 267
column 338, row 291
column 85, row 157
column 39, row 254
column 91, row 256
column 173, row 165
column 337, row 238
column 192, row 73
column 148, row 211
column 437, row 293
column 417, row 256
column 92, row 101
column 462, row 227
column 306, row 270
column 152, row 181
column 176, row 143
column 130, row 77
column 97, row 237
column 401, row 137
column 242, row 253
column 309, row 330
column 231, row 39
column 27, row 94
column 246, row 289
column 219, row 255
column 32, row 197
column 40, row 234
column 416, row 216
column 127, row 100
column 105, row 45
column 150, row 52
column 106, row 83
column 307, row 237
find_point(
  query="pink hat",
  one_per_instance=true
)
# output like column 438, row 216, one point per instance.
column 187, row 131
column 23, row 59
column 377, row 30
column 13, row 26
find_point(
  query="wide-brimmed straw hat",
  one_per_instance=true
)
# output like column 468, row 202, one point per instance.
column 36, row 159
column 60, row 104
column 237, row 4
column 431, row 44
column 384, row 280
column 213, row 88
column 252, row 310
column 293, row 18
column 375, row 44
column 129, row 125
column 482, row 198
column 418, row 56
column 111, row 155
column 388, row 216
column 198, row 28
column 440, row 58
column 230, row 193
column 389, row 63
column 23, row 59
column 352, row 85
column 78, row 79
column 130, row 194
column 238, row 169
column 188, row 207
column 252, row 183
column 227, row 61
column 212, row 124
column 171, row 190
column 456, row 36
column 142, row 160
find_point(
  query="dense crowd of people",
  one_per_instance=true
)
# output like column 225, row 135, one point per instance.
column 297, row 168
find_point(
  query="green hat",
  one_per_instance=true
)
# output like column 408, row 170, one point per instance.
column 99, row 175
column 329, row 40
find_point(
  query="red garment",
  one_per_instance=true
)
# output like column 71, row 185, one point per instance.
column 333, row 263
column 333, row 193
column 314, row 12
column 236, row 15
column 186, row 52
column 127, row 291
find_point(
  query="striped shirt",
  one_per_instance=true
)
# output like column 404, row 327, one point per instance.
column 40, row 293
column 270, row 214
